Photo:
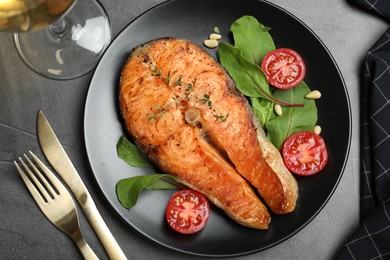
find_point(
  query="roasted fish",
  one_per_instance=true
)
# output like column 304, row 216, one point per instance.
column 183, row 110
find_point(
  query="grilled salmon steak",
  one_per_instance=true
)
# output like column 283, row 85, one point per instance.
column 183, row 110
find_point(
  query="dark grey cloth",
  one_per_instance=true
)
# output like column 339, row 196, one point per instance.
column 372, row 239
column 377, row 7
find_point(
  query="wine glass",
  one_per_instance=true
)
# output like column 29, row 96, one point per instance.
column 59, row 39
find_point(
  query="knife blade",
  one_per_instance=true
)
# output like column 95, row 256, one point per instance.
column 60, row 161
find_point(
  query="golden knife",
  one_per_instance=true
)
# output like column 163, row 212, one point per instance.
column 60, row 161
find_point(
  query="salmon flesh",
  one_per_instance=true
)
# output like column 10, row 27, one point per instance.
column 183, row 110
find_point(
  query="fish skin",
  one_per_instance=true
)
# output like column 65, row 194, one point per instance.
column 209, row 156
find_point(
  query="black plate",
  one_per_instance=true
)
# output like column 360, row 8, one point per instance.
column 195, row 20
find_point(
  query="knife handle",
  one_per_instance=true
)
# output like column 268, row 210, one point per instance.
column 60, row 161
column 107, row 239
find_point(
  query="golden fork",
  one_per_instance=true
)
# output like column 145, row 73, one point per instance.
column 54, row 200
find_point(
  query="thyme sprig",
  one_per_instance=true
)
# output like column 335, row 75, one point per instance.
column 190, row 92
column 160, row 111
column 156, row 72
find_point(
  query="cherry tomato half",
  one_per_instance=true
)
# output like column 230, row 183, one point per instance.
column 284, row 68
column 304, row 153
column 187, row 211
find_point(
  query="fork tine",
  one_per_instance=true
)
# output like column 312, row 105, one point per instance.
column 60, row 209
column 54, row 182
column 40, row 182
column 31, row 187
column 44, row 192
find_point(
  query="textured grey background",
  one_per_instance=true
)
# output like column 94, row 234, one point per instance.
column 26, row 234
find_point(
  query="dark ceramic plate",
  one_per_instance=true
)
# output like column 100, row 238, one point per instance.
column 194, row 20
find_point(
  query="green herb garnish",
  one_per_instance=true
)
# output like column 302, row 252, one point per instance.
column 156, row 72
column 160, row 112
column 251, row 39
column 189, row 93
column 242, row 60
column 293, row 119
column 131, row 154
column 129, row 189
column 250, row 79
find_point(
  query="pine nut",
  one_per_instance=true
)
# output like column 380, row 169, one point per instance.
column 315, row 94
column 317, row 129
column 278, row 109
column 54, row 71
column 215, row 36
column 58, row 56
column 211, row 43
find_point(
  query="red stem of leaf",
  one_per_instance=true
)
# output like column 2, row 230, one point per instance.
column 280, row 102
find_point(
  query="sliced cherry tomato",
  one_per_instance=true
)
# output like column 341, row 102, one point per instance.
column 284, row 68
column 187, row 211
column 304, row 153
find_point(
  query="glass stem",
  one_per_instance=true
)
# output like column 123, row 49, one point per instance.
column 58, row 28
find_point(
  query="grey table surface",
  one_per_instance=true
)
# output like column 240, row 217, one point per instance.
column 25, row 233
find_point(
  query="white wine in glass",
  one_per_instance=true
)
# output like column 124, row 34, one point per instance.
column 59, row 39
column 30, row 15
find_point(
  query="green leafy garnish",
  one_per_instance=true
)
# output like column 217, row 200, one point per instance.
column 263, row 109
column 293, row 119
column 128, row 190
column 216, row 29
column 250, row 79
column 131, row 154
column 242, row 60
column 252, row 38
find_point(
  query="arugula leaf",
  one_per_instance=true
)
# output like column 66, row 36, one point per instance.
column 128, row 190
column 252, row 38
column 293, row 119
column 131, row 154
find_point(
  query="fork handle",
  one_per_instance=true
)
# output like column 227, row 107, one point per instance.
column 85, row 250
